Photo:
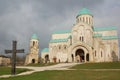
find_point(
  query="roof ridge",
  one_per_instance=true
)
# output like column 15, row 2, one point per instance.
column 105, row 28
column 62, row 31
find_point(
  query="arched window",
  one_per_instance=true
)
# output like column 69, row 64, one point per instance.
column 87, row 57
column 83, row 19
column 82, row 38
column 95, row 53
column 59, row 47
column 65, row 46
column 101, row 54
column 87, row 20
column 33, row 43
column 80, row 18
column 77, row 20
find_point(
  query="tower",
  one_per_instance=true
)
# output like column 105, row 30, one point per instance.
column 32, row 56
column 85, row 16
column 83, row 29
column 34, row 44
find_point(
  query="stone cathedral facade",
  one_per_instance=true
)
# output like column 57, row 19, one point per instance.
column 83, row 43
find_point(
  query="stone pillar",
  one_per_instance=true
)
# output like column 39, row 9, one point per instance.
column 74, row 57
column 85, row 57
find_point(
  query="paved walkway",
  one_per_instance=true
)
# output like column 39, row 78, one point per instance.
column 61, row 66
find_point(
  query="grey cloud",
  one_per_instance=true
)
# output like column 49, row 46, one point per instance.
column 20, row 19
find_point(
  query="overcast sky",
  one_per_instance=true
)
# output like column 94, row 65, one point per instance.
column 19, row 19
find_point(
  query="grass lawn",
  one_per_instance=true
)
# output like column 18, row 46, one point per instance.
column 76, row 74
column 41, row 64
column 106, row 65
column 7, row 70
column 70, row 75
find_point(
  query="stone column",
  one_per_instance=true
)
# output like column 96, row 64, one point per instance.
column 85, row 57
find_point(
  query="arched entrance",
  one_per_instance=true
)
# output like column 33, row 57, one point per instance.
column 46, row 58
column 33, row 60
column 87, row 57
column 79, row 55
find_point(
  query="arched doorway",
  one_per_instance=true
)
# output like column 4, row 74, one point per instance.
column 46, row 58
column 33, row 60
column 79, row 55
column 72, row 57
column 87, row 57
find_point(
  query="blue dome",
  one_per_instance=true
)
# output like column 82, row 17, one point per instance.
column 84, row 11
column 34, row 36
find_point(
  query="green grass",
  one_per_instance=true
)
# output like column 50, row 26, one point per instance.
column 106, row 65
column 7, row 70
column 41, row 64
column 77, row 74
column 70, row 75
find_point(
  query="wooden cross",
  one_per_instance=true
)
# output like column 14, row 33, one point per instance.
column 13, row 59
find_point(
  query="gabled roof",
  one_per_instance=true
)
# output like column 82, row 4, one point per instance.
column 45, row 50
column 105, row 28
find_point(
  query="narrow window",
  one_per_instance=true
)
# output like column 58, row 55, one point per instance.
column 87, row 20
column 83, row 19
column 33, row 43
column 59, row 47
column 95, row 53
column 101, row 53
column 65, row 47
column 77, row 20
column 82, row 38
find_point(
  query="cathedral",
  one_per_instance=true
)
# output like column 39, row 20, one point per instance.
column 83, row 43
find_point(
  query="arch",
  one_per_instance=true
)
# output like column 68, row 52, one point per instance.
column 60, row 47
column 33, row 60
column 82, row 38
column 95, row 53
column 46, row 58
column 33, row 43
column 80, row 46
column 80, row 18
column 79, row 55
column 101, row 54
column 83, row 19
column 87, row 57
column 87, row 20
column 64, row 47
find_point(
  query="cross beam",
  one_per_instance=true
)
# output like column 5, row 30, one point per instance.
column 13, row 59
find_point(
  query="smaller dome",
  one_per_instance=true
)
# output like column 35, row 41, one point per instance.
column 34, row 36
column 84, row 11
